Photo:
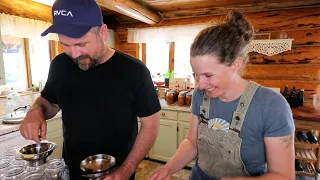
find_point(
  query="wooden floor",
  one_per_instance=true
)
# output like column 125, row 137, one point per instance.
column 146, row 168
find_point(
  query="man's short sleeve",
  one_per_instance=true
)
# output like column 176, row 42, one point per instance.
column 279, row 120
column 146, row 99
column 49, row 92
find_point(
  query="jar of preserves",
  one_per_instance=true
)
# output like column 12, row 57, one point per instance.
column 170, row 97
column 188, row 99
column 182, row 98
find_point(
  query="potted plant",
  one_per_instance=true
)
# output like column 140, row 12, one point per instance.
column 169, row 74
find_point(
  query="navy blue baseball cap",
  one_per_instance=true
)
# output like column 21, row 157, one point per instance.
column 74, row 18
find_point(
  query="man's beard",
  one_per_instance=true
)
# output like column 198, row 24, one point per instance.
column 94, row 60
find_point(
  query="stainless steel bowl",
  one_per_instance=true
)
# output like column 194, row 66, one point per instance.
column 97, row 166
column 36, row 154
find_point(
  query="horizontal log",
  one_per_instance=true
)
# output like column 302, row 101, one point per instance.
column 26, row 9
column 132, row 9
column 308, row 103
column 308, row 86
column 283, row 72
column 243, row 8
column 301, row 37
column 294, row 19
column 297, row 55
column 124, row 46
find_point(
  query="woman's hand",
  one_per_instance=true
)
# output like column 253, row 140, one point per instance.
column 161, row 174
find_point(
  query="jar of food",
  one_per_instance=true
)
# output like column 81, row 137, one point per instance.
column 182, row 98
column 188, row 99
column 170, row 97
column 57, row 169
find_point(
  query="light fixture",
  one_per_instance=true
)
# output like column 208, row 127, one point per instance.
column 45, row 2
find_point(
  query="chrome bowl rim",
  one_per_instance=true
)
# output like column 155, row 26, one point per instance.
column 52, row 146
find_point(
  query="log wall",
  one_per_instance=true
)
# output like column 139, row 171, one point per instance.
column 298, row 67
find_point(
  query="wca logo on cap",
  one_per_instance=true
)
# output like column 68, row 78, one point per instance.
column 62, row 13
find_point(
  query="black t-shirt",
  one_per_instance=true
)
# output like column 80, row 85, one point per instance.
column 100, row 106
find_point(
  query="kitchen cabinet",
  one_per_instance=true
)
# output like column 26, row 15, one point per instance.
column 54, row 134
column 174, row 126
column 166, row 142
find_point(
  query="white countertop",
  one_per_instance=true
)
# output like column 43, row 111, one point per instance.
column 8, row 128
column 7, row 107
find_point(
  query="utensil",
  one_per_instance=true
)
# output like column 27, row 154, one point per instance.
column 36, row 154
column 97, row 166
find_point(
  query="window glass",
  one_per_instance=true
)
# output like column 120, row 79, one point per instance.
column 157, row 57
column 182, row 65
column 39, row 59
column 14, row 62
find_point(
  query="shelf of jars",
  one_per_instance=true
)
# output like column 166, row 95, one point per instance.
column 299, row 143
column 305, row 154
column 308, row 170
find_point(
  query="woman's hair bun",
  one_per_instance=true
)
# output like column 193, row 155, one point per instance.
column 236, row 21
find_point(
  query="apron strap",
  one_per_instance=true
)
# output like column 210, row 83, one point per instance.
column 204, row 109
column 242, row 108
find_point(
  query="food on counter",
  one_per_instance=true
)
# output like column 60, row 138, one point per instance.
column 182, row 98
column 188, row 98
column 171, row 97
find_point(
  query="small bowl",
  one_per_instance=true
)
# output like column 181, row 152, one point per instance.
column 36, row 154
column 97, row 165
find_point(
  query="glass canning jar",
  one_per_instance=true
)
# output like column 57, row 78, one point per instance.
column 14, row 172
column 56, row 169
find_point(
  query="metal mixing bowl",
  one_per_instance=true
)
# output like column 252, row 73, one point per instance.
column 97, row 166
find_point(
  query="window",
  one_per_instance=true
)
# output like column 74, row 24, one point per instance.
column 182, row 65
column 14, row 62
column 39, row 59
column 157, row 57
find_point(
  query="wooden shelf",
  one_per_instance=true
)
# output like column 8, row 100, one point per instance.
column 305, row 154
column 305, row 144
column 308, row 170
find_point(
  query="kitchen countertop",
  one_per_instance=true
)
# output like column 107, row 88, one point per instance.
column 175, row 107
column 7, row 106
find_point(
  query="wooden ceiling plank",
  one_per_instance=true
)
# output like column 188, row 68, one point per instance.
column 132, row 9
column 26, row 9
column 259, row 7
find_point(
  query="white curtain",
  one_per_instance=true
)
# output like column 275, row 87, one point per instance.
column 167, row 34
column 23, row 27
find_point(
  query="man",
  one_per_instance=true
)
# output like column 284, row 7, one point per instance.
column 100, row 91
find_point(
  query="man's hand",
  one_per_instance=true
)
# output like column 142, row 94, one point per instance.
column 34, row 125
column 119, row 173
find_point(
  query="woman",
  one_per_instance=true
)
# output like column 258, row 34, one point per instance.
column 237, row 127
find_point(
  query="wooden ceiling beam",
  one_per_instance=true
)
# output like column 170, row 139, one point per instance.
column 26, row 9
column 132, row 9
column 257, row 7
